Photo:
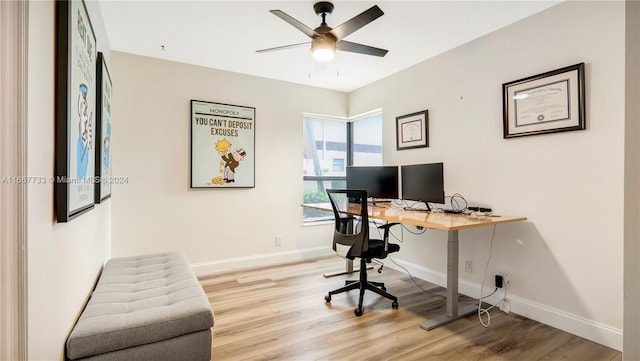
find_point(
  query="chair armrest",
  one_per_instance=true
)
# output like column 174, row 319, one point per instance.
column 386, row 228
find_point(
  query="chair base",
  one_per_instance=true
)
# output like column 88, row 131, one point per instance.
column 363, row 284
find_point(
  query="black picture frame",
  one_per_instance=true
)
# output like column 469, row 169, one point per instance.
column 103, row 131
column 75, row 69
column 545, row 103
column 412, row 130
column 222, row 145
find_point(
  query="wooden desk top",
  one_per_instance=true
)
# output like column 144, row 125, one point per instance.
column 433, row 220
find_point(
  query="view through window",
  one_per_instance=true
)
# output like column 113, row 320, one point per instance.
column 331, row 144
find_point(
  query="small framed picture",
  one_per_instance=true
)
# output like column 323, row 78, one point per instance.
column 545, row 103
column 103, row 132
column 412, row 130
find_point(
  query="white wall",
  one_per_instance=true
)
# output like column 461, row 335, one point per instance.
column 566, row 261
column 64, row 260
column 216, row 228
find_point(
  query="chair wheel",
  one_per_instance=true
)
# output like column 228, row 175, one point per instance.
column 358, row 311
column 394, row 305
column 327, row 298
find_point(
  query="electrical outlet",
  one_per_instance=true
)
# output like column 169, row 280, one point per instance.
column 278, row 241
column 505, row 277
column 505, row 306
column 468, row 266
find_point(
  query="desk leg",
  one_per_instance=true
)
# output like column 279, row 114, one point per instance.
column 348, row 268
column 453, row 313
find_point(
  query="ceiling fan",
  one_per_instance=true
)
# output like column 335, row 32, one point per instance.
column 326, row 40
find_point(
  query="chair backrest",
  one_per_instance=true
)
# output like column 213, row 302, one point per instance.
column 347, row 204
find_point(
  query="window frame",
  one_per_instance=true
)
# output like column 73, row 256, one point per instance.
column 349, row 153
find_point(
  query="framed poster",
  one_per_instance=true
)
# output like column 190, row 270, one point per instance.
column 75, row 110
column 545, row 103
column 222, row 145
column 412, row 130
column 103, row 132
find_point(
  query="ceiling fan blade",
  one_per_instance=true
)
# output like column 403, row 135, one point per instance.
column 360, row 48
column 308, row 44
column 296, row 24
column 358, row 21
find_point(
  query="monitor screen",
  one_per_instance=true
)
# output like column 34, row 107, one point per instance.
column 423, row 182
column 378, row 181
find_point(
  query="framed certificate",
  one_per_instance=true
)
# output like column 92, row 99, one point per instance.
column 412, row 130
column 545, row 103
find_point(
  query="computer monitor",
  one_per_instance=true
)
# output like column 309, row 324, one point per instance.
column 423, row 183
column 378, row 181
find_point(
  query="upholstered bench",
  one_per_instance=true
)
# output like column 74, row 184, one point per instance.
column 144, row 308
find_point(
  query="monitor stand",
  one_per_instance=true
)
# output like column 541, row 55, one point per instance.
column 375, row 201
column 428, row 209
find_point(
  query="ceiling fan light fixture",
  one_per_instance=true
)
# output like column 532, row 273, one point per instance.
column 325, row 40
column 323, row 49
column 323, row 54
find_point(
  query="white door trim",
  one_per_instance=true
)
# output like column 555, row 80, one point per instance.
column 14, row 26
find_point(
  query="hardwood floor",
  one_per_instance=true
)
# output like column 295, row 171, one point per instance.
column 279, row 313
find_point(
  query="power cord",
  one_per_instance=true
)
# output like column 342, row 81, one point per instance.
column 408, row 229
column 403, row 228
column 414, row 281
column 402, row 267
column 464, row 298
column 458, row 203
column 485, row 311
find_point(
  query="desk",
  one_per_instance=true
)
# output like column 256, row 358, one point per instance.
column 451, row 223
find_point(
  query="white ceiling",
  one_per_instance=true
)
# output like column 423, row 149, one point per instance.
column 225, row 34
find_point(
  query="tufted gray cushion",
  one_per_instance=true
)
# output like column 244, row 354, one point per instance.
column 138, row 301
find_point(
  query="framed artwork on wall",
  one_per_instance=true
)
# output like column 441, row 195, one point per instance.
column 412, row 130
column 103, row 131
column 75, row 110
column 550, row 102
column 222, row 145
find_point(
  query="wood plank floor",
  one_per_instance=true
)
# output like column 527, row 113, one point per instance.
column 279, row 313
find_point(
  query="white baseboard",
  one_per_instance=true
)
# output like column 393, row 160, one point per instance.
column 269, row 259
column 576, row 325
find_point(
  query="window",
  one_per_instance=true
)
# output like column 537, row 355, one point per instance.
column 367, row 139
column 329, row 145
column 338, row 165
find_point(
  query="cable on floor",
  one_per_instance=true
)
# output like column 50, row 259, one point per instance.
column 466, row 298
column 485, row 311
column 414, row 281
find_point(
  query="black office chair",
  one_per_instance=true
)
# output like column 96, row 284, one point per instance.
column 357, row 244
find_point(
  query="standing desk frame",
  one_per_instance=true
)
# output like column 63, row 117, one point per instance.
column 452, row 223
